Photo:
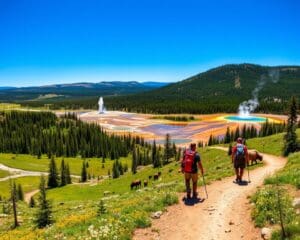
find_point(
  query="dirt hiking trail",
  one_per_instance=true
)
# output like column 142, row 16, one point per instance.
column 224, row 215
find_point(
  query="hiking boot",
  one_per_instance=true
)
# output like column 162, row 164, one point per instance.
column 195, row 195
column 188, row 196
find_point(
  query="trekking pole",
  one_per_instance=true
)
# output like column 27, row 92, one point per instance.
column 204, row 185
column 249, row 181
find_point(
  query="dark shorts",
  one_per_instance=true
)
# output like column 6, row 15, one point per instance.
column 239, row 164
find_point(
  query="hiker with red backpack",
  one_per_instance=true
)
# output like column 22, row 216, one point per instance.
column 189, row 166
column 239, row 159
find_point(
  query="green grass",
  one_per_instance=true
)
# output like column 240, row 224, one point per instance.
column 32, row 163
column 266, row 206
column 75, row 206
column 271, row 144
column 216, row 163
column 28, row 184
column 265, row 211
column 290, row 174
column 3, row 173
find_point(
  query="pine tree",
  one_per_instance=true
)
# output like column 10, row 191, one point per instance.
column 168, row 152
column 53, row 177
column 174, row 149
column 210, row 140
column 290, row 138
column 236, row 134
column 31, row 203
column 134, row 161
column 101, row 208
column 115, row 169
column 20, row 195
column 43, row 216
column 63, row 175
column 229, row 150
column 14, row 199
column 227, row 136
column 68, row 174
column 154, row 156
column 83, row 172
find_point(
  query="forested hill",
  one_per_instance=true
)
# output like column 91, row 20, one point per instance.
column 73, row 91
column 221, row 89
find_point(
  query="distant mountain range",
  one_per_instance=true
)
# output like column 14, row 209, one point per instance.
column 75, row 90
column 220, row 89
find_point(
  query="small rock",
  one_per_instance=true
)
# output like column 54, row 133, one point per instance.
column 296, row 202
column 231, row 222
column 266, row 233
column 228, row 230
column 156, row 215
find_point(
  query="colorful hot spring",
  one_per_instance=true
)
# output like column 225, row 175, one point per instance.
column 247, row 118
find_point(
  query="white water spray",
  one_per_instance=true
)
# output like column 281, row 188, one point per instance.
column 101, row 105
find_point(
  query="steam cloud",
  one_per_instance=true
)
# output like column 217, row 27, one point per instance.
column 247, row 107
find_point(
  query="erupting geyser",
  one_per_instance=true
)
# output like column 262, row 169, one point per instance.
column 101, row 105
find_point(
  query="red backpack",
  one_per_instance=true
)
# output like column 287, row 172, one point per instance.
column 188, row 160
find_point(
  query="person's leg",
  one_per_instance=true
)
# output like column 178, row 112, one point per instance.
column 195, row 180
column 187, row 184
column 241, row 173
column 237, row 174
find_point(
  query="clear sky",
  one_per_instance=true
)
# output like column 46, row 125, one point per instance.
column 60, row 41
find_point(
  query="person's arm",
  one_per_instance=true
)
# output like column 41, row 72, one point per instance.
column 200, row 166
column 233, row 153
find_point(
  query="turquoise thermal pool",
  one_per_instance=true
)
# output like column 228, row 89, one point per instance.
column 245, row 119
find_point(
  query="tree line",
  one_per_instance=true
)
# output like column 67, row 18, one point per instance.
column 38, row 133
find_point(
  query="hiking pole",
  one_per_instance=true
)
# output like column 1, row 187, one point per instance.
column 204, row 185
column 249, row 181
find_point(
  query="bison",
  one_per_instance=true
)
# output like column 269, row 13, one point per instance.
column 253, row 156
column 135, row 184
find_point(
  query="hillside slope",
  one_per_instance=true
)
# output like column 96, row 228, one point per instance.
column 221, row 89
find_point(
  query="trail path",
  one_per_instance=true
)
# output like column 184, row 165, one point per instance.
column 225, row 215
column 30, row 194
column 16, row 173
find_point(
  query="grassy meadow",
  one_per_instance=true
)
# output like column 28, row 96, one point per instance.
column 28, row 184
column 271, row 144
column 3, row 173
column 32, row 163
column 75, row 206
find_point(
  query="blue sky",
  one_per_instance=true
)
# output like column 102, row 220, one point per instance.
column 60, row 41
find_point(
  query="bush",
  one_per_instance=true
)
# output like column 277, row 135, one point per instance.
column 170, row 199
column 266, row 206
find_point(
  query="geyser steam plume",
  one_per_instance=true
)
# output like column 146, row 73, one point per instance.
column 101, row 106
column 247, row 107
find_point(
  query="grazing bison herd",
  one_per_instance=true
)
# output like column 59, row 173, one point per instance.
column 138, row 183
